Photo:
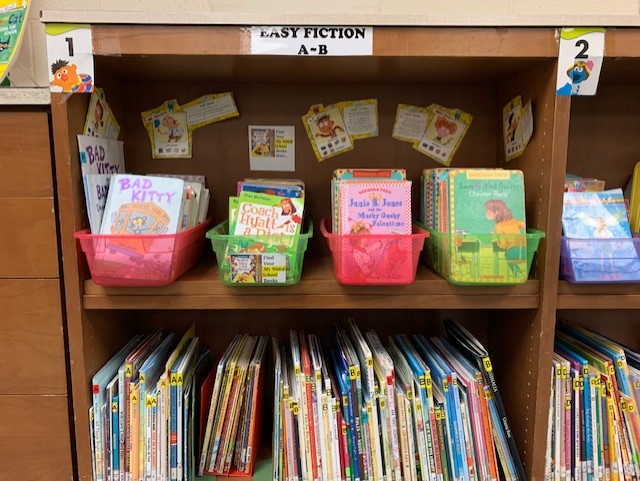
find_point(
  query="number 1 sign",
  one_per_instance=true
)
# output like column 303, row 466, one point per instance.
column 70, row 54
column 580, row 61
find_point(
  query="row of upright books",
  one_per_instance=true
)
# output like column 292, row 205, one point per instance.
column 160, row 412
column 423, row 409
column 594, row 425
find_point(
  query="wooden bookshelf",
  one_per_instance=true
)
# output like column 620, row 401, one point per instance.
column 476, row 69
column 201, row 289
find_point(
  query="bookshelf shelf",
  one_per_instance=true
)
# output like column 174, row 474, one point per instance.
column 598, row 296
column 201, row 289
column 475, row 69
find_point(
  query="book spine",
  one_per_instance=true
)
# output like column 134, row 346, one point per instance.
column 393, row 422
column 97, row 429
column 163, row 403
column 385, row 428
column 146, row 472
column 154, row 442
column 106, row 422
column 486, row 424
column 178, row 432
column 134, row 422
column 209, row 427
column 226, row 423
column 347, row 462
column 403, row 429
column 418, row 425
column 336, row 428
column 126, row 468
column 92, row 440
column 435, row 443
column 487, row 370
column 115, row 440
column 123, row 396
column 442, row 442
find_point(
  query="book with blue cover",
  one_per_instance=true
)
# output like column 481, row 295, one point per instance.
column 609, row 254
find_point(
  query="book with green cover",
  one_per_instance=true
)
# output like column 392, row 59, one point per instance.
column 488, row 207
column 263, row 240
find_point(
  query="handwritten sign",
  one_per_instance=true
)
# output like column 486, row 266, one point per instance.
column 326, row 41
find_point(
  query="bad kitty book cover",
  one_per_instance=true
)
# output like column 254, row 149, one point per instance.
column 143, row 205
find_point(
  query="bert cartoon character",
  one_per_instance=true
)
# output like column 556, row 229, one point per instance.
column 66, row 76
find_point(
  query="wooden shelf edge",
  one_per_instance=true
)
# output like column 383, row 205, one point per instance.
column 201, row 288
column 596, row 296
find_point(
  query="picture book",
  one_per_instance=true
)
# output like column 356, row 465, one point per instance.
column 264, row 232
column 634, row 199
column 143, row 205
column 595, row 215
column 375, row 207
column 486, row 201
column 358, row 174
column 598, row 245
column 583, row 184
column 268, row 215
column 100, row 158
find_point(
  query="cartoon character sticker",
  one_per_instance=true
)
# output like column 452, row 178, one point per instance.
column 327, row 131
column 171, row 135
column 66, row 76
column 445, row 130
column 580, row 61
column 70, row 54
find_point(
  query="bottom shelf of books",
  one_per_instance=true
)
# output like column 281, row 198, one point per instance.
column 594, row 425
column 346, row 404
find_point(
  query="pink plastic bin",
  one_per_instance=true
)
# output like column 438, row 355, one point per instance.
column 142, row 260
column 374, row 259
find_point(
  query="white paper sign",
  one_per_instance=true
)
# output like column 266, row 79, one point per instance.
column 580, row 61
column 328, row 41
column 70, row 58
column 272, row 148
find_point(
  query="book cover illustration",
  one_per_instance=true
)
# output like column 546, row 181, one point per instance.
column 488, row 206
column 445, row 130
column 327, row 131
column 143, row 205
column 171, row 137
column 598, row 244
column 371, row 213
column 263, row 244
column 100, row 121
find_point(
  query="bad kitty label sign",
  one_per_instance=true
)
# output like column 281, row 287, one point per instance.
column 327, row 41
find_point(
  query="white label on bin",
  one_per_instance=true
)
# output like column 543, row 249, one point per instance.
column 312, row 40
column 274, row 268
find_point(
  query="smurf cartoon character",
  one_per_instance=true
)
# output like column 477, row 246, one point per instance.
column 578, row 73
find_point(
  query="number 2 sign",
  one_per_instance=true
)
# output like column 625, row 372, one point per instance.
column 580, row 60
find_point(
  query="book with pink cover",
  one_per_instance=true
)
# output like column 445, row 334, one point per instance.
column 375, row 207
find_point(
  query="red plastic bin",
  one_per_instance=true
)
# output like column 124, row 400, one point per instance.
column 142, row 260
column 378, row 259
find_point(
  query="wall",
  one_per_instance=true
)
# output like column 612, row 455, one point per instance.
column 31, row 69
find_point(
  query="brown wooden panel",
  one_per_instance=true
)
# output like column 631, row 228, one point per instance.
column 25, row 157
column 34, row 435
column 31, row 338
column 398, row 41
column 28, row 243
column 201, row 289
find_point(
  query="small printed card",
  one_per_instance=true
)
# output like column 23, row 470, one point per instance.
column 360, row 118
column 171, row 136
column 580, row 61
column 517, row 127
column 70, row 57
column 410, row 123
column 327, row 132
column 272, row 148
column 445, row 130
column 100, row 119
column 258, row 268
column 209, row 109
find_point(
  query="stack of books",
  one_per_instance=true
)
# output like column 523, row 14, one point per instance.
column 418, row 409
column 594, row 426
